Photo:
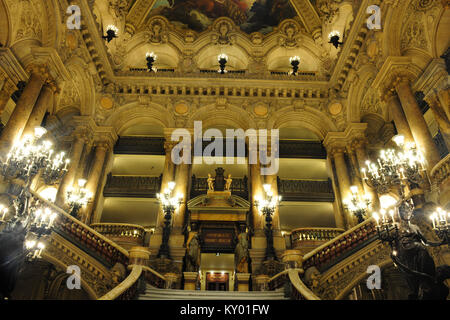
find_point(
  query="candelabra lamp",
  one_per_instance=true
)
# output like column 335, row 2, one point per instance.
column 358, row 205
column 409, row 249
column 223, row 59
column 78, row 198
column 267, row 207
column 439, row 219
column 169, row 204
column 395, row 168
column 295, row 62
column 334, row 38
column 151, row 58
column 25, row 220
column 111, row 33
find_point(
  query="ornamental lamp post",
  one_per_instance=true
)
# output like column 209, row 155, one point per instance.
column 295, row 61
column 267, row 207
column 169, row 204
column 223, row 59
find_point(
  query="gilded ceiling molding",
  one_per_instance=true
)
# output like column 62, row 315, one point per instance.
column 137, row 14
column 308, row 15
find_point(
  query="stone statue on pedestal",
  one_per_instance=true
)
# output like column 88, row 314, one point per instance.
column 210, row 182
column 193, row 255
column 241, row 254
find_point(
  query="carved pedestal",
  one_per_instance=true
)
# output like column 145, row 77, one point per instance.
column 262, row 282
column 190, row 280
column 292, row 259
column 172, row 279
column 242, row 281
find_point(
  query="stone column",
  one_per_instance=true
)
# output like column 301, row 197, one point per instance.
column 16, row 123
column 67, row 180
column 343, row 180
column 361, row 157
column 399, row 117
column 93, row 180
column 444, row 98
column 167, row 176
column 417, row 123
column 43, row 103
column 441, row 118
column 5, row 95
column 278, row 240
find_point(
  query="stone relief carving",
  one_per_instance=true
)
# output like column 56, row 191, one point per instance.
column 157, row 31
column 328, row 10
column 223, row 34
column 118, row 7
column 290, row 34
column 30, row 25
column 414, row 36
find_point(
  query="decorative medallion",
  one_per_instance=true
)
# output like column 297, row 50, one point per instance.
column 106, row 103
column 181, row 108
column 260, row 110
column 335, row 108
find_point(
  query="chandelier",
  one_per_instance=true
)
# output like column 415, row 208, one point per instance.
column 295, row 61
column 169, row 204
column 26, row 221
column 222, row 59
column 399, row 170
column 267, row 207
column 395, row 167
column 151, row 58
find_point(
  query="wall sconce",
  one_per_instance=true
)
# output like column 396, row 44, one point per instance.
column 223, row 59
column 334, row 38
column 111, row 32
column 151, row 58
column 295, row 61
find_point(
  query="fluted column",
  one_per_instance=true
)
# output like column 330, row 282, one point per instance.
column 417, row 123
column 19, row 117
column 399, row 118
column 44, row 102
column 67, row 180
column 94, row 178
column 343, row 180
column 441, row 118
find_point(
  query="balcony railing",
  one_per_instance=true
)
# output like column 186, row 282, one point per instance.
column 123, row 234
column 441, row 171
column 140, row 145
column 155, row 146
column 132, row 186
column 305, row 190
column 239, row 187
column 86, row 238
column 313, row 236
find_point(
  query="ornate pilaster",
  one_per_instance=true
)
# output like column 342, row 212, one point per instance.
column 440, row 116
column 398, row 116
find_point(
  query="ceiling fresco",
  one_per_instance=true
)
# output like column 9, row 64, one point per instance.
column 250, row 15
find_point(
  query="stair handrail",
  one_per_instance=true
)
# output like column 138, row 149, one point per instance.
column 274, row 282
column 126, row 284
column 160, row 279
column 81, row 224
column 300, row 286
column 312, row 253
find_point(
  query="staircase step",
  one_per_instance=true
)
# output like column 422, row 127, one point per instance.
column 152, row 293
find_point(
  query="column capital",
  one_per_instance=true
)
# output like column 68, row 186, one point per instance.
column 41, row 70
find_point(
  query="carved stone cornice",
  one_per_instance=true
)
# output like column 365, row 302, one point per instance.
column 334, row 142
column 105, row 137
column 11, row 67
column 394, row 69
column 434, row 77
column 49, row 56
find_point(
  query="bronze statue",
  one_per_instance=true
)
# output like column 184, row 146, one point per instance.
column 241, row 254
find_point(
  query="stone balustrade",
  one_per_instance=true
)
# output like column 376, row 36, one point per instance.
column 91, row 241
column 126, row 235
column 332, row 251
column 307, row 239
column 440, row 178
